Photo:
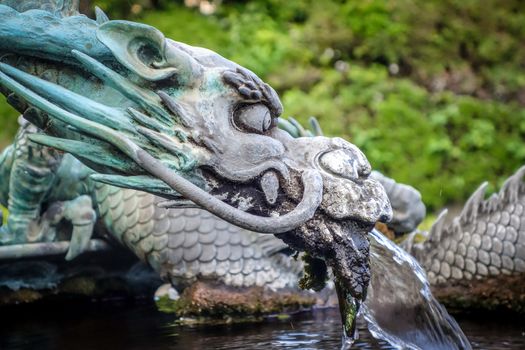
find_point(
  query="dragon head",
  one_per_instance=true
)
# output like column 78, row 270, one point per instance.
column 187, row 124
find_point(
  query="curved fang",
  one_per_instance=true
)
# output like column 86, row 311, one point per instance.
column 304, row 211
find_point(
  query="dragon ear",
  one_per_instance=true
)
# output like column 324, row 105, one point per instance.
column 144, row 50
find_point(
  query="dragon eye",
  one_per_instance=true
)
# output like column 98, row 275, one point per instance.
column 254, row 118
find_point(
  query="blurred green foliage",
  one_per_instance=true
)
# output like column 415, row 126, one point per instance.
column 8, row 124
column 433, row 91
column 4, row 215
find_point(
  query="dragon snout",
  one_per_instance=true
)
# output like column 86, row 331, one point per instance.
column 349, row 192
column 346, row 164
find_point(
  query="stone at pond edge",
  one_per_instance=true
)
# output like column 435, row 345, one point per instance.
column 504, row 293
column 206, row 302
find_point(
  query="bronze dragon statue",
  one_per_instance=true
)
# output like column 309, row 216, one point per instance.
column 188, row 127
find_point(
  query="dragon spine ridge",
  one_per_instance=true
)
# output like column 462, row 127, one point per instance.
column 486, row 239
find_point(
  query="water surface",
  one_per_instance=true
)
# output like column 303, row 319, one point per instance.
column 136, row 326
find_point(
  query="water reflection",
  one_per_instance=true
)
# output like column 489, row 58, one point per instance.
column 134, row 327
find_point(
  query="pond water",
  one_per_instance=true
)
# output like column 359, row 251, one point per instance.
column 112, row 325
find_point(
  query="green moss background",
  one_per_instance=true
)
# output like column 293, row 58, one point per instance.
column 433, row 91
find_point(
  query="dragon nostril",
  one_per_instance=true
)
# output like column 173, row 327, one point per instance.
column 341, row 163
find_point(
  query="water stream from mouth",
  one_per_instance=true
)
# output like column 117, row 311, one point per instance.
column 400, row 308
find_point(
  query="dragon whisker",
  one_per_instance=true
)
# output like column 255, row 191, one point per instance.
column 140, row 182
column 180, row 204
column 187, row 162
column 175, row 108
column 83, row 125
column 91, row 153
column 71, row 101
column 145, row 99
column 148, row 122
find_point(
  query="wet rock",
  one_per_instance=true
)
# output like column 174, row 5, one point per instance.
column 214, row 302
column 96, row 277
column 503, row 293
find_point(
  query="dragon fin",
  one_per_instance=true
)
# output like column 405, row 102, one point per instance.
column 436, row 230
column 101, row 17
column 473, row 205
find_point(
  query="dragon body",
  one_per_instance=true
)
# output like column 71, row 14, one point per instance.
column 486, row 240
column 176, row 153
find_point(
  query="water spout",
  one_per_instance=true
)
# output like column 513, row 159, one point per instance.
column 400, row 307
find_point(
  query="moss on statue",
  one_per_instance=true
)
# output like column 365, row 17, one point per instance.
column 315, row 273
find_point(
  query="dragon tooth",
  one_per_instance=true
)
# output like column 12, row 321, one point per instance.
column 270, row 186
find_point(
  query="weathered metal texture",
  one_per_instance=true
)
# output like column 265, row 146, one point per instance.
column 487, row 239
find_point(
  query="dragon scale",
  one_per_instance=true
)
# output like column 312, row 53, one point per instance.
column 189, row 244
column 486, row 239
